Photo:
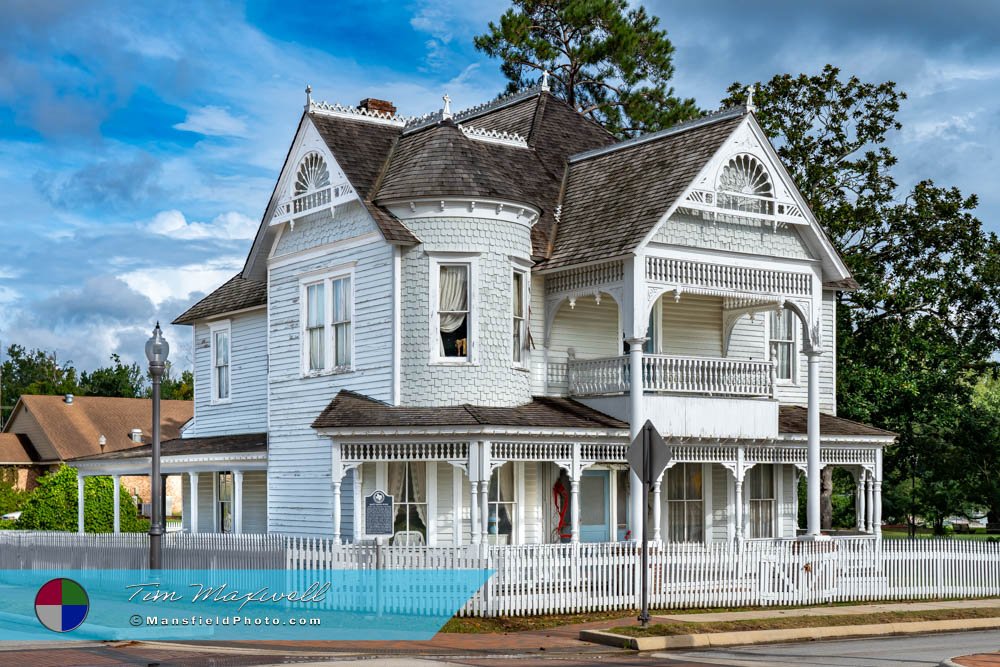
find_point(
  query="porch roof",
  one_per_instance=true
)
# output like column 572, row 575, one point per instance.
column 245, row 443
column 793, row 419
column 350, row 410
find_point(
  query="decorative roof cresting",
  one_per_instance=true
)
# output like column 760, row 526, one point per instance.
column 494, row 136
column 357, row 113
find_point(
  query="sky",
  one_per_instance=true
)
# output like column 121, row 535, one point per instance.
column 140, row 142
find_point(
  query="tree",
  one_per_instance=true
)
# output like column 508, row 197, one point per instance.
column 52, row 505
column 979, row 444
column 11, row 497
column 34, row 372
column 609, row 62
column 115, row 380
column 926, row 318
column 176, row 389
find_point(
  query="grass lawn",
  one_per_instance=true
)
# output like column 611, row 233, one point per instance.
column 927, row 534
column 783, row 623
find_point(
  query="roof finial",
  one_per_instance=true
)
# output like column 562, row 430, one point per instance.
column 750, row 105
column 545, row 80
column 446, row 112
column 309, row 96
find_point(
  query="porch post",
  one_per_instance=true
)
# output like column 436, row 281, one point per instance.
column 484, row 490
column 877, row 506
column 116, row 498
column 859, row 501
column 237, row 501
column 738, row 501
column 576, row 470
column 656, row 508
column 336, row 478
column 871, row 502
column 79, row 502
column 636, row 510
column 477, row 537
column 812, row 449
column 336, row 510
column 193, row 501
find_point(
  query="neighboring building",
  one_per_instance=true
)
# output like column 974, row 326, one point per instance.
column 44, row 431
column 476, row 312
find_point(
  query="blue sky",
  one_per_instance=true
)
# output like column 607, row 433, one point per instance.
column 139, row 142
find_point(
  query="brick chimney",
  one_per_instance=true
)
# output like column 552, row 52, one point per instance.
column 372, row 104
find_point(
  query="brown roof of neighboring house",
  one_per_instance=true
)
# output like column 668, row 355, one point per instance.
column 16, row 449
column 243, row 443
column 349, row 409
column 70, row 430
column 614, row 199
column 237, row 293
column 793, row 419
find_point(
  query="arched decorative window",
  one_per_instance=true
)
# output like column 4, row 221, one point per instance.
column 312, row 183
column 745, row 185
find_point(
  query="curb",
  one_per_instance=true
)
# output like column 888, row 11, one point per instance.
column 747, row 637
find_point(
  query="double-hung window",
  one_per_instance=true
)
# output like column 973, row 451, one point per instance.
column 408, row 488
column 519, row 296
column 327, row 317
column 783, row 343
column 502, row 505
column 760, row 480
column 685, row 503
column 453, row 308
column 225, row 502
column 220, row 350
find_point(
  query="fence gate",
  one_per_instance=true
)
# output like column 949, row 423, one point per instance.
column 799, row 573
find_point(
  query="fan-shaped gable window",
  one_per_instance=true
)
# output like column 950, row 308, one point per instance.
column 745, row 185
column 312, row 183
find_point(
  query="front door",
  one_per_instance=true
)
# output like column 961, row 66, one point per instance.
column 595, row 506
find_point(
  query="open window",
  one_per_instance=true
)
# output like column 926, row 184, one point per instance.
column 453, row 309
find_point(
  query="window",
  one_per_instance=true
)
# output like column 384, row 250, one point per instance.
column 760, row 481
column 453, row 313
column 502, row 505
column 408, row 488
column 685, row 506
column 220, row 349
column 783, row 343
column 328, row 336
column 621, row 504
column 225, row 502
column 519, row 294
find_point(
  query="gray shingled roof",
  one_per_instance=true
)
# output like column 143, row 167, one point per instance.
column 352, row 410
column 614, row 199
column 246, row 443
column 237, row 293
column 794, row 419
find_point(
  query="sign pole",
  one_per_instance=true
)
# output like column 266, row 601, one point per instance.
column 644, row 612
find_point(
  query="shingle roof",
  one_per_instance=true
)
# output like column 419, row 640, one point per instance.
column 613, row 200
column 17, row 449
column 794, row 419
column 247, row 443
column 237, row 293
column 349, row 409
column 72, row 429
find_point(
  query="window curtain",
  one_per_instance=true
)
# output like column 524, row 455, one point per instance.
column 315, row 324
column 418, row 483
column 452, row 296
column 397, row 476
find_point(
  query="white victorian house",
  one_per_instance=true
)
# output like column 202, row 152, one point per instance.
column 476, row 312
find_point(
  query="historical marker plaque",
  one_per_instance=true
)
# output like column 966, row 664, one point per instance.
column 378, row 514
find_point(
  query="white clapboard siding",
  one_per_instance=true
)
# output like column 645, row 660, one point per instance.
column 534, row 529
column 796, row 393
column 245, row 412
column 299, row 460
column 255, row 501
column 692, row 326
column 747, row 340
column 590, row 329
column 722, row 480
column 536, row 334
column 444, row 521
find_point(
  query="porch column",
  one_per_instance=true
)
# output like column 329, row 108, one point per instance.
column 193, row 501
column 336, row 479
column 79, row 502
column 871, row 503
column 859, row 501
column 477, row 537
column 637, row 512
column 484, row 489
column 336, row 510
column 812, row 448
column 738, row 496
column 237, row 501
column 877, row 505
column 116, row 498
column 656, row 508
column 574, row 494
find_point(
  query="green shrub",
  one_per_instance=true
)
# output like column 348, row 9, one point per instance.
column 11, row 497
column 52, row 505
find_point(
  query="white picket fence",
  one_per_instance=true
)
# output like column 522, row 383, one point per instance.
column 565, row 578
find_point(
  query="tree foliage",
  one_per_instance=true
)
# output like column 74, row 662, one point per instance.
column 124, row 381
column 926, row 319
column 175, row 389
column 11, row 497
column 609, row 62
column 33, row 372
column 52, row 505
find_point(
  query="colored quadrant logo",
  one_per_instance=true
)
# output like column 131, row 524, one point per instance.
column 61, row 605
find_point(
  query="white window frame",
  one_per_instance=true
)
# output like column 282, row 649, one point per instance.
column 705, row 501
column 794, row 379
column 519, row 269
column 774, row 500
column 326, row 278
column 437, row 260
column 213, row 329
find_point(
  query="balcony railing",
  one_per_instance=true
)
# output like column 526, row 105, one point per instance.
column 310, row 202
column 673, row 374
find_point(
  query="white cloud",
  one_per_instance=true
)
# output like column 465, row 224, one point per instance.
column 213, row 121
column 228, row 226
column 180, row 282
column 8, row 273
column 950, row 127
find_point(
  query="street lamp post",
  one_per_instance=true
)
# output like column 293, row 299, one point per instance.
column 156, row 351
